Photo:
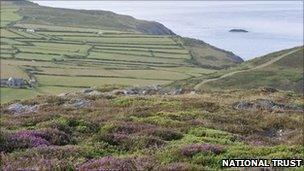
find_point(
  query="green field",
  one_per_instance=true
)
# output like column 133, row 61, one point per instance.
column 92, row 81
column 70, row 59
column 66, row 56
column 9, row 94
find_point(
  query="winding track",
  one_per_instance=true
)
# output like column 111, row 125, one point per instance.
column 254, row 68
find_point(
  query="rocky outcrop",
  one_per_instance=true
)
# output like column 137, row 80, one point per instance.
column 265, row 104
column 18, row 108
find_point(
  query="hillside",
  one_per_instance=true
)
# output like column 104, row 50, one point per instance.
column 285, row 73
column 281, row 70
column 208, row 56
column 103, row 131
column 34, row 14
column 65, row 50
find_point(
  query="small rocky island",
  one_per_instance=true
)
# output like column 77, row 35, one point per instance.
column 238, row 31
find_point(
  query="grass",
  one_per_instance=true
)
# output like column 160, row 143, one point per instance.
column 284, row 74
column 33, row 56
column 8, row 13
column 55, row 48
column 93, row 81
column 118, row 40
column 12, row 71
column 55, row 90
column 57, row 28
column 10, row 94
column 128, row 57
column 140, row 74
column 9, row 34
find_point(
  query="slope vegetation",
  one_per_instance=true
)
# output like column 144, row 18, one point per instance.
column 282, row 70
column 35, row 14
column 184, row 132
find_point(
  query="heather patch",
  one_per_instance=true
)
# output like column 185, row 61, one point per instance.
column 108, row 163
column 193, row 149
column 45, row 158
column 148, row 133
column 23, row 139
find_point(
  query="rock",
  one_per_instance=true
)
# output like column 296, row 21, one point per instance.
column 67, row 95
column 192, row 93
column 87, row 91
column 238, row 31
column 18, row 108
column 130, row 91
column 15, row 108
column 78, row 103
column 63, row 94
column 81, row 103
column 176, row 91
column 117, row 92
column 94, row 93
column 264, row 104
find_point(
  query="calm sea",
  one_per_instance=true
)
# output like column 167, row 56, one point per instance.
column 272, row 25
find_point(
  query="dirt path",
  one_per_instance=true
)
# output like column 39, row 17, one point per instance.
column 254, row 68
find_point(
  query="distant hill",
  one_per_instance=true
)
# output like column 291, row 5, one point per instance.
column 282, row 70
column 35, row 14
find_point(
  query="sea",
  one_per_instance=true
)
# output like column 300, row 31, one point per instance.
column 271, row 25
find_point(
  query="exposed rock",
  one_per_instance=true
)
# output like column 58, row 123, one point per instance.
column 68, row 95
column 86, row 91
column 94, row 93
column 146, row 90
column 192, row 93
column 63, row 94
column 264, row 104
column 18, row 108
column 117, row 92
column 81, row 103
column 78, row 103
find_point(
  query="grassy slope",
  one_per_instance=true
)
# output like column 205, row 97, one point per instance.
column 285, row 74
column 208, row 56
column 151, row 132
column 35, row 14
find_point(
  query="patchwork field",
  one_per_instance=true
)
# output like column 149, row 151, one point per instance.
column 63, row 59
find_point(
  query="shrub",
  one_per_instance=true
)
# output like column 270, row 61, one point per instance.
column 193, row 149
column 164, row 134
column 176, row 167
column 56, row 137
column 23, row 139
column 132, row 142
column 144, row 163
column 168, row 135
column 44, row 158
column 109, row 163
